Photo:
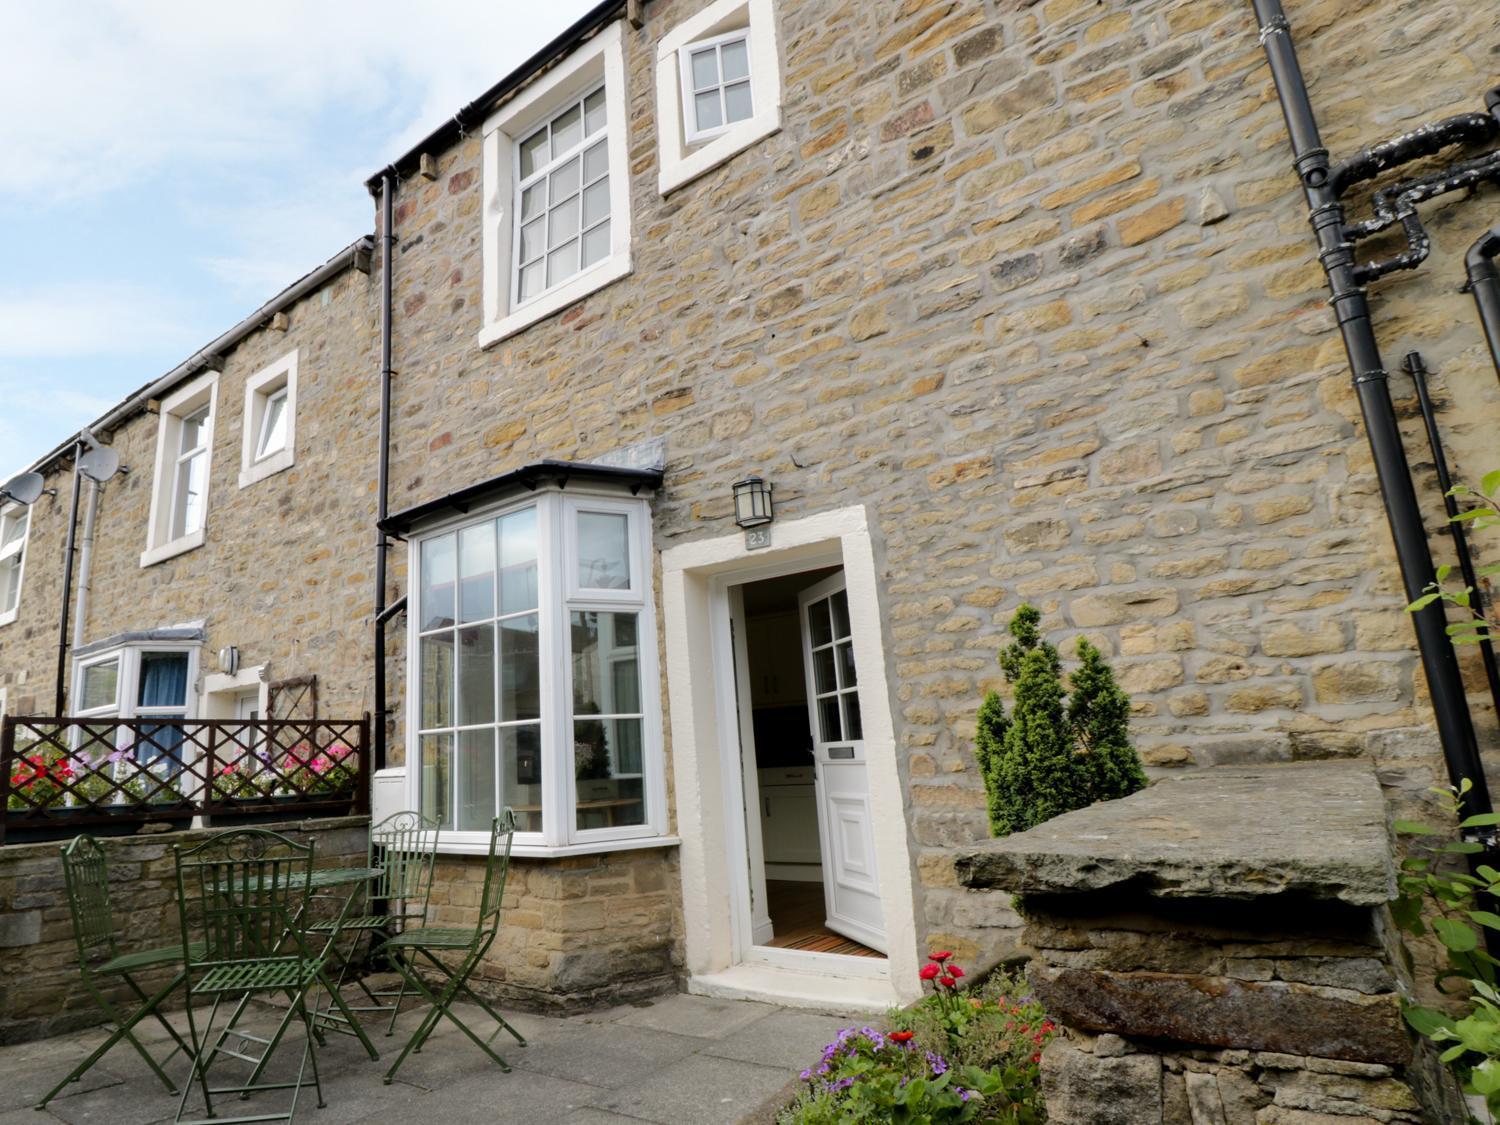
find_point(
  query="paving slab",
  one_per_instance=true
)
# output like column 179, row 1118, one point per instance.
column 703, row 1017
column 701, row 1089
column 612, row 1062
column 786, row 1038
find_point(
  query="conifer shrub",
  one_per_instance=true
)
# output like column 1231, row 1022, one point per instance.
column 1055, row 751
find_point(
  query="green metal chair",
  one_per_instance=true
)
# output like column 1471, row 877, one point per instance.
column 466, row 946
column 86, row 876
column 403, row 847
column 241, row 899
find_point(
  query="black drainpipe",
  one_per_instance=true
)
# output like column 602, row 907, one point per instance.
column 1484, row 283
column 383, row 457
column 1336, row 251
column 60, row 689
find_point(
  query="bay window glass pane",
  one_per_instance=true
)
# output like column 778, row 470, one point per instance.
column 518, row 574
column 607, row 764
column 164, row 678
column 474, row 777
column 706, row 106
column 437, row 765
column 593, row 112
column 705, row 69
column 595, row 162
column 606, row 674
column 737, row 102
column 595, row 245
column 520, row 677
column 99, row 684
column 438, row 572
column 603, row 550
column 436, row 672
column 735, row 60
column 567, row 130
column 476, row 676
column 533, row 152
column 476, row 562
column 521, row 774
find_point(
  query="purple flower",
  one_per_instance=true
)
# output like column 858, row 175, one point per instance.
column 962, row 1093
column 938, row 1064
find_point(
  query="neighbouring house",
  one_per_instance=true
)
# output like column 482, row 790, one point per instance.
column 1003, row 302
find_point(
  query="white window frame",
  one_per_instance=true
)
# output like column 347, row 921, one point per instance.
column 128, row 682
column 556, row 600
column 182, row 403
column 18, row 548
column 260, row 389
column 601, row 59
column 684, row 156
column 692, row 132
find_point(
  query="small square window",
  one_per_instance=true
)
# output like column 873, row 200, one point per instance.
column 716, row 85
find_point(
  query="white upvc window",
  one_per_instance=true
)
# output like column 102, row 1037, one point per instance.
column 533, row 675
column 152, row 679
column 718, row 88
column 184, row 449
column 268, row 441
column 15, row 523
column 557, row 190
column 715, row 87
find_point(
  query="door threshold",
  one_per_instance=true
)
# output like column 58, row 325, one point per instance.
column 847, row 965
column 793, row 988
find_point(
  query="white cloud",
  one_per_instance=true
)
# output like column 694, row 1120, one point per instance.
column 81, row 319
column 116, row 89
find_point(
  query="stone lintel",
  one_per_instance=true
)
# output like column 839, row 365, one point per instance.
column 1316, row 830
column 1210, row 1011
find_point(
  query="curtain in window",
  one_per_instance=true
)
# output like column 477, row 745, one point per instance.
column 163, row 685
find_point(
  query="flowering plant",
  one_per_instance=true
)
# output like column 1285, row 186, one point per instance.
column 330, row 771
column 39, row 781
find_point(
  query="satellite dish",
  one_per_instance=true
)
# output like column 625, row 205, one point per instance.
column 99, row 463
column 23, row 489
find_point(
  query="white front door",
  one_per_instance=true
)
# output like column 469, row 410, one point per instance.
column 851, row 888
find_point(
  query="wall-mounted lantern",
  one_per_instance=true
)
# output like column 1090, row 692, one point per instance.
column 752, row 502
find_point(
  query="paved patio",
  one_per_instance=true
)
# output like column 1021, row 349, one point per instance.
column 678, row 1060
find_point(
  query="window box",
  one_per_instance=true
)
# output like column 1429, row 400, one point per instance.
column 532, row 675
column 556, row 190
column 718, row 88
column 269, row 437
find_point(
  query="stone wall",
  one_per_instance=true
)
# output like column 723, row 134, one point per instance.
column 1206, row 972
column 41, row 991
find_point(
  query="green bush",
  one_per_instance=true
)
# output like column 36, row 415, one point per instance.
column 958, row 1055
column 1053, row 754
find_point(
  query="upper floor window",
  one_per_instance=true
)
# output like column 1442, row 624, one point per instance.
column 718, row 87
column 270, row 421
column 184, row 446
column 534, row 679
column 15, row 521
column 557, row 200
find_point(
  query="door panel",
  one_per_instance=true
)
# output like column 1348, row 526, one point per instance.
column 851, row 885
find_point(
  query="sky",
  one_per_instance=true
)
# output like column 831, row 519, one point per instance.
column 172, row 164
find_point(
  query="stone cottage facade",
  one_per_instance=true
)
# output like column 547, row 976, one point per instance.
column 1007, row 301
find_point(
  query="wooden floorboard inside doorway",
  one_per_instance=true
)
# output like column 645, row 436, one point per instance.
column 797, row 917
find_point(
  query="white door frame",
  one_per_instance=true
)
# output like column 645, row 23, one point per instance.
column 711, row 796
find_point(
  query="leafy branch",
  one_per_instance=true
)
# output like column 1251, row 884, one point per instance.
column 1483, row 514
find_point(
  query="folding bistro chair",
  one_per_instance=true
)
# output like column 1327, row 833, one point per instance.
column 466, row 945
column 241, row 899
column 403, row 848
column 86, row 876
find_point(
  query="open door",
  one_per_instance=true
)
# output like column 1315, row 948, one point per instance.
column 851, row 890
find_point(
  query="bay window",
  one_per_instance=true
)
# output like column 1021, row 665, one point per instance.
column 533, row 679
column 139, row 682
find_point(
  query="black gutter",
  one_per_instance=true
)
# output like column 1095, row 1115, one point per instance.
column 1336, row 252
column 383, row 456
column 528, row 477
column 1418, row 372
column 462, row 123
column 60, row 688
column 1484, row 284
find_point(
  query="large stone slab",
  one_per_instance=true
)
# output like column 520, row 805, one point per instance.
column 1316, row 828
column 1205, row 1011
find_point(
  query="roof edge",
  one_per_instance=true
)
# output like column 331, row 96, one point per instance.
column 356, row 255
column 473, row 113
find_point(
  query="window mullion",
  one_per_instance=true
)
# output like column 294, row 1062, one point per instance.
column 557, row 790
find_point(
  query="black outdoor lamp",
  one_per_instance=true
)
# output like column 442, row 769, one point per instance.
column 752, row 502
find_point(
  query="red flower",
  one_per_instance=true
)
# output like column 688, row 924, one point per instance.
column 948, row 982
column 900, row 1036
column 955, row 971
column 940, row 956
column 929, row 972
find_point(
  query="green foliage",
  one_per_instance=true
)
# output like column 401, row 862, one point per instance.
column 1438, row 897
column 1473, row 626
column 1051, row 755
column 958, row 1055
